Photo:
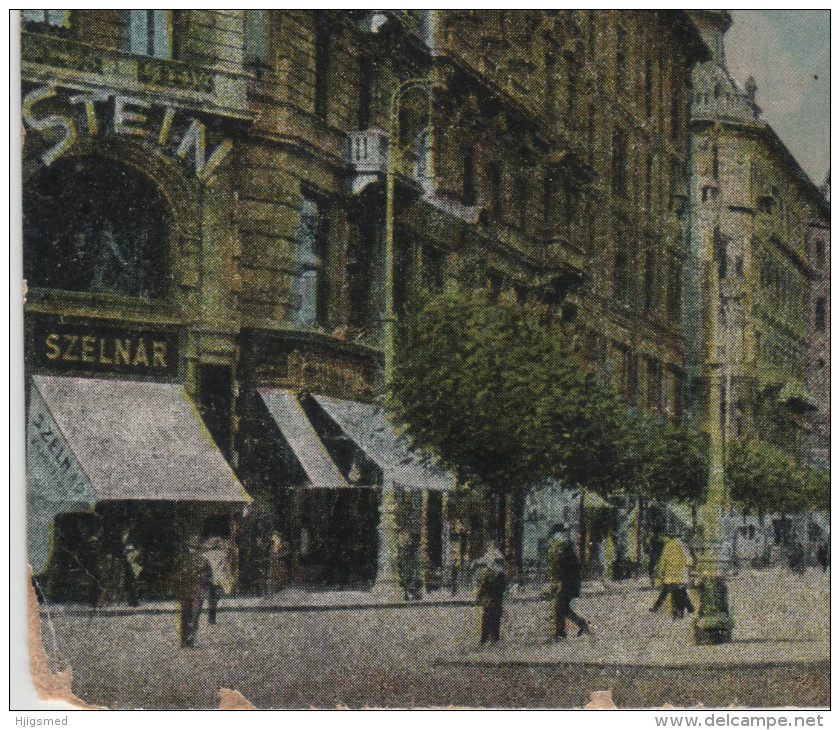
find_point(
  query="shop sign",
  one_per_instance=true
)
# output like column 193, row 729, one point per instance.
column 65, row 116
column 78, row 347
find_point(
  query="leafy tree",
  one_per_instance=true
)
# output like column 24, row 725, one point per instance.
column 501, row 399
column 763, row 477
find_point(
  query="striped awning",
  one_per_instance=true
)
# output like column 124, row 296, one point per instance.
column 95, row 440
column 366, row 425
column 302, row 438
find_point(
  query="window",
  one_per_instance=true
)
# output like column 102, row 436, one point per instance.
column 434, row 268
column 654, row 385
column 310, row 287
column 105, row 232
column 674, row 289
column 819, row 315
column 621, row 281
column 322, row 63
column 550, row 85
column 715, row 162
column 521, row 199
column 820, row 254
column 256, row 39
column 721, row 244
column 648, row 88
column 150, row 33
column 590, row 134
column 619, row 162
column 649, row 279
column 649, row 182
column 53, row 18
column 495, row 174
column 366, row 81
column 571, row 92
column 620, row 59
column 469, row 177
column 676, row 109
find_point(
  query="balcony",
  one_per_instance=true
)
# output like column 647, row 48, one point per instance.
column 366, row 157
column 58, row 61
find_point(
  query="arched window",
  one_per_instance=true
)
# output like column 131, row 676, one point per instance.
column 94, row 225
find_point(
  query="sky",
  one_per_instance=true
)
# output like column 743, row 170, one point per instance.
column 788, row 52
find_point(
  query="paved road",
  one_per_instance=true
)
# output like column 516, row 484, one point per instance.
column 403, row 657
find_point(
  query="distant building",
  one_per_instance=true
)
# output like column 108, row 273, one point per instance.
column 756, row 219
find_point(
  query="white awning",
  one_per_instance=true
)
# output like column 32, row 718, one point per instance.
column 95, row 440
column 367, row 426
column 298, row 431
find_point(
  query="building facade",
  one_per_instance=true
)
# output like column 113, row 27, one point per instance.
column 756, row 298
column 215, row 182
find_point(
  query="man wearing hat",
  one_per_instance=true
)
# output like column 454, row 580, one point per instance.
column 564, row 582
column 491, row 585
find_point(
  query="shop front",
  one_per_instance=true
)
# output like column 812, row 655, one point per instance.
column 118, row 470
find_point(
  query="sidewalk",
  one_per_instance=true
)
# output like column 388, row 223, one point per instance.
column 780, row 620
column 299, row 599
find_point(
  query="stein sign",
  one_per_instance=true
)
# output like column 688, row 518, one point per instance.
column 64, row 117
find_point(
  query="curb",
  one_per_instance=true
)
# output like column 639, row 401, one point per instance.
column 814, row 664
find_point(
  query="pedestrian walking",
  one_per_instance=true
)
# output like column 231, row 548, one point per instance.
column 192, row 574
column 490, row 591
column 132, row 569
column 672, row 571
column 564, row 582
column 217, row 553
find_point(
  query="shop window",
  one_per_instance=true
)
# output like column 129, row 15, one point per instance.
column 310, row 288
column 49, row 18
column 819, row 315
column 256, row 40
column 105, row 231
column 150, row 33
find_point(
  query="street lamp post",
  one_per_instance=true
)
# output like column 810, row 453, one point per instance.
column 714, row 624
column 387, row 577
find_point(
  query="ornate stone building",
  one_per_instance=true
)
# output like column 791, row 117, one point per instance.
column 215, row 182
column 759, row 235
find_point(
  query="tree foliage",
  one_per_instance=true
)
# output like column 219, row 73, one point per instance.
column 763, row 477
column 504, row 401
column 499, row 398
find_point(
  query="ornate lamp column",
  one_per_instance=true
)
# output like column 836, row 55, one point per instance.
column 387, row 577
column 714, row 624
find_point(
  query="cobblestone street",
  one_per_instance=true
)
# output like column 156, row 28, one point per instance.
column 427, row 655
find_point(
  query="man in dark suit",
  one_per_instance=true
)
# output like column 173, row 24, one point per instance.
column 564, row 582
column 490, row 592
